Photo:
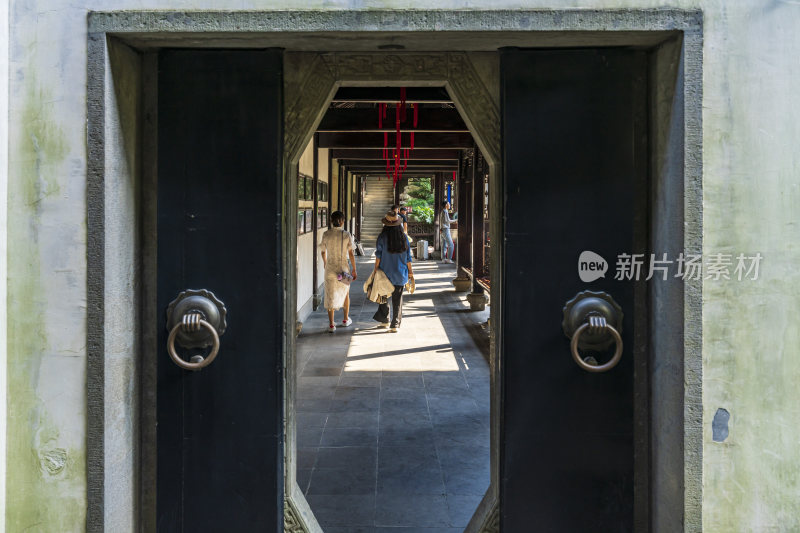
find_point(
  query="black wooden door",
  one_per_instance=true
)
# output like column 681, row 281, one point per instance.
column 573, row 147
column 219, row 211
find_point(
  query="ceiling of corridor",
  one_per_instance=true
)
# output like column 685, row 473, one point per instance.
column 351, row 128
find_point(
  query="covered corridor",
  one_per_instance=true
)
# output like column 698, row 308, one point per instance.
column 367, row 151
column 393, row 428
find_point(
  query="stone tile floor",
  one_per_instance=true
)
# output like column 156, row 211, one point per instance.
column 393, row 428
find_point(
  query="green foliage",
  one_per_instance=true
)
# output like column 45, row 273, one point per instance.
column 420, row 191
column 420, row 213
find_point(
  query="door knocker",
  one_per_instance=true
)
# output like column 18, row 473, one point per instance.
column 195, row 319
column 593, row 321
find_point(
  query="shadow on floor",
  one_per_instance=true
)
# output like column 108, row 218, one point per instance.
column 393, row 428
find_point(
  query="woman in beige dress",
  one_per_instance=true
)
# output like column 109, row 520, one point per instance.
column 337, row 247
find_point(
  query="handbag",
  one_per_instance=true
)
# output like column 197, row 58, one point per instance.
column 411, row 286
column 345, row 276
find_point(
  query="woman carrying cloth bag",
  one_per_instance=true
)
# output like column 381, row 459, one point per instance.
column 393, row 257
column 337, row 247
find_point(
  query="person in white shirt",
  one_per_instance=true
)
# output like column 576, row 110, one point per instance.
column 444, row 230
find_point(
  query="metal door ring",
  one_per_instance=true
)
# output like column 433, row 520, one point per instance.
column 207, row 360
column 596, row 368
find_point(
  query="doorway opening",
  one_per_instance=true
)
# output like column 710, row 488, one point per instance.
column 392, row 418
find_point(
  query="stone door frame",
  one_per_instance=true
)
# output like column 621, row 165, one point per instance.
column 121, row 177
column 312, row 80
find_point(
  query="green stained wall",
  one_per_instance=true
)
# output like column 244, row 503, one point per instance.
column 45, row 462
column 751, row 184
column 751, row 332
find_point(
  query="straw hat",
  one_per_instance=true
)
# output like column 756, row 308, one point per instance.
column 391, row 219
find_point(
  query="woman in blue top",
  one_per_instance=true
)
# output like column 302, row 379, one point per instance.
column 393, row 256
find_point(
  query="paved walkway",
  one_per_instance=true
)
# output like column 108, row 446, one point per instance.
column 393, row 428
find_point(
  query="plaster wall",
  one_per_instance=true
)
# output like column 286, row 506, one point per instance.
column 4, row 55
column 305, row 246
column 751, row 184
column 305, row 285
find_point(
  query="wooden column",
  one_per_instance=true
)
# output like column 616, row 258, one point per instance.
column 437, row 208
column 359, row 206
column 347, row 209
column 477, row 299
column 330, row 186
column 477, row 220
column 462, row 198
column 350, row 222
column 462, row 282
column 316, row 296
column 340, row 188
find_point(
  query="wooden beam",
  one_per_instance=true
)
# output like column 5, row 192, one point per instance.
column 422, row 141
column 406, row 174
column 377, row 170
column 411, row 163
column 369, row 153
column 431, row 120
column 414, row 95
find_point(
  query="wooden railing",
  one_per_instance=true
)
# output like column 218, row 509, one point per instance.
column 420, row 229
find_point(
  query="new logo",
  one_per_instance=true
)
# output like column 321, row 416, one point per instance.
column 591, row 266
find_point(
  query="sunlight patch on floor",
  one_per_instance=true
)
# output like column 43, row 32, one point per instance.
column 420, row 345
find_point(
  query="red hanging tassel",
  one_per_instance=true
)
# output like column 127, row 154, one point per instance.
column 416, row 109
column 412, row 140
column 454, row 175
column 397, row 165
column 398, row 137
column 385, row 139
